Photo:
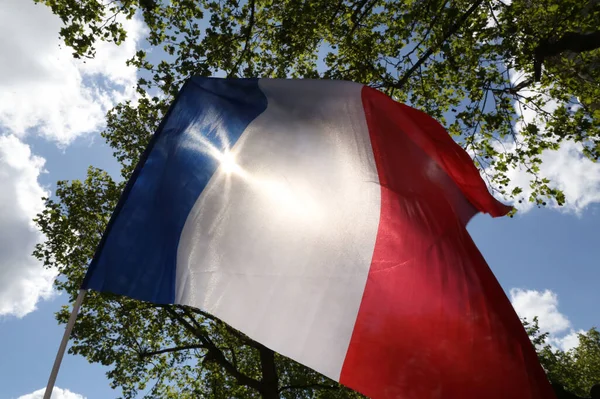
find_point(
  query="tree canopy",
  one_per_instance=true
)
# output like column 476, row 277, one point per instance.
column 475, row 52
column 456, row 60
column 576, row 370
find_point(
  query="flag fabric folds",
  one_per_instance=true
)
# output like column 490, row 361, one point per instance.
column 327, row 222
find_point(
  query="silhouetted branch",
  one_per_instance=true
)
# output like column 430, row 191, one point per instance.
column 570, row 41
column 453, row 29
column 215, row 353
column 145, row 354
column 308, row 386
column 249, row 28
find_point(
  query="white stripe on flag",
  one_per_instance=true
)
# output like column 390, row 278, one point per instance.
column 280, row 243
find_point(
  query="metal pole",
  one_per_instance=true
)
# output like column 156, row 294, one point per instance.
column 63, row 344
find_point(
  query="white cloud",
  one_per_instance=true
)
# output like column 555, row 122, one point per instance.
column 45, row 91
column 544, row 304
column 57, row 393
column 568, row 341
column 42, row 86
column 23, row 281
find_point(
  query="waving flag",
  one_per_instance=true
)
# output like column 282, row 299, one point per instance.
column 327, row 222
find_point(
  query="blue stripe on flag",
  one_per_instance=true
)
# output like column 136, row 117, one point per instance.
column 138, row 254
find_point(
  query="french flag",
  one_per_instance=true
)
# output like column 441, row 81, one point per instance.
column 327, row 222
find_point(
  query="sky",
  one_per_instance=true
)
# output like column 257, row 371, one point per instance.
column 52, row 108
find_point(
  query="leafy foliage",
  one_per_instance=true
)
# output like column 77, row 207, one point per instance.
column 578, row 369
column 464, row 81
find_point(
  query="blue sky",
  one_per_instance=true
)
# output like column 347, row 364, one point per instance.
column 51, row 109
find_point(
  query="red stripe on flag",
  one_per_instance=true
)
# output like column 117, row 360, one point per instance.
column 433, row 322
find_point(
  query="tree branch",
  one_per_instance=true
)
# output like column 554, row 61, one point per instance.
column 570, row 41
column 233, row 356
column 308, row 386
column 425, row 35
column 356, row 17
column 191, row 316
column 337, row 9
column 520, row 86
column 270, row 380
column 215, row 353
column 249, row 28
column 231, row 330
column 453, row 29
column 145, row 354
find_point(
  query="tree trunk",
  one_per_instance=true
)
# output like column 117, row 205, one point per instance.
column 269, row 384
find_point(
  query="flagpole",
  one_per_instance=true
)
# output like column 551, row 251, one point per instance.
column 63, row 344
